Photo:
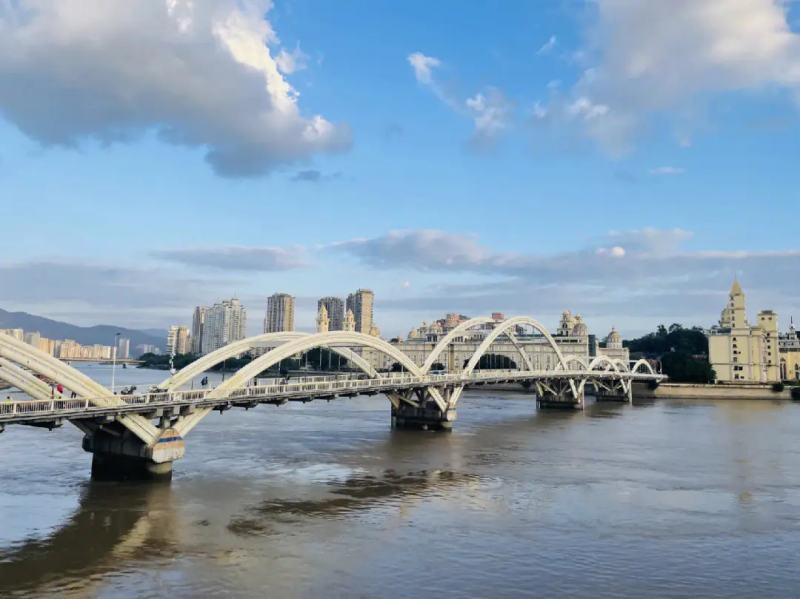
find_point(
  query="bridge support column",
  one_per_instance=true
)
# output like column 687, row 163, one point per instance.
column 559, row 396
column 616, row 393
column 430, row 417
column 119, row 455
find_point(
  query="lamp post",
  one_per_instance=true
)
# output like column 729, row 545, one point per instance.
column 114, row 362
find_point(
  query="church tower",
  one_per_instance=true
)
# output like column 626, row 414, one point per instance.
column 350, row 322
column 323, row 322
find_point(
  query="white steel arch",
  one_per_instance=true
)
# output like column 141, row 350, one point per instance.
column 639, row 364
column 202, row 364
column 330, row 340
column 24, row 380
column 74, row 380
column 573, row 360
column 613, row 363
column 502, row 328
column 460, row 329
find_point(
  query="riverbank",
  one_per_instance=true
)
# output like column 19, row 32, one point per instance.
column 698, row 391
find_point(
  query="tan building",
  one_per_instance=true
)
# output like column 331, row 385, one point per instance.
column 349, row 321
column 323, row 322
column 280, row 313
column 740, row 352
column 361, row 303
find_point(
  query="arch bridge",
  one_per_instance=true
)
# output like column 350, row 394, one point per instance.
column 141, row 435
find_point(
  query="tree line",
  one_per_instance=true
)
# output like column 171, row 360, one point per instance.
column 683, row 352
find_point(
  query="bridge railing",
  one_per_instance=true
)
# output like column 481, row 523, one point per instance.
column 340, row 386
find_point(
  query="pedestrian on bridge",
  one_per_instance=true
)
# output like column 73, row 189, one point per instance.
column 60, row 389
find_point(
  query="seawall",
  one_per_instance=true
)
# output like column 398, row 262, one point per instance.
column 697, row 391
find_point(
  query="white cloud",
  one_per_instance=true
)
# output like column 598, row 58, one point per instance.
column 665, row 59
column 666, row 170
column 490, row 110
column 548, row 46
column 289, row 62
column 203, row 73
column 262, row 259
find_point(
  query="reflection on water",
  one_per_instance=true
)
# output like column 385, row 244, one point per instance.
column 672, row 499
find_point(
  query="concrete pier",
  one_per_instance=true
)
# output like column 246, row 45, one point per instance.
column 558, row 402
column 428, row 418
column 123, row 456
column 108, row 467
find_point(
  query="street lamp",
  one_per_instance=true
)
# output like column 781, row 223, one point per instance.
column 114, row 362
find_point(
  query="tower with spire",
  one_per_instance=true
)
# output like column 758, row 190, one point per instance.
column 323, row 322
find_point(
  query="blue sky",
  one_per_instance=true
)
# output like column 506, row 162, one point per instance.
column 621, row 159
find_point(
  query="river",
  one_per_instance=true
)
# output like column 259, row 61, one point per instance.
column 324, row 500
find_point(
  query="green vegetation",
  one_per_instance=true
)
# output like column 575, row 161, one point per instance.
column 160, row 362
column 778, row 387
column 796, row 393
column 682, row 352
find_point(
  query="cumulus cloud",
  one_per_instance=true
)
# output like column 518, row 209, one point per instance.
column 490, row 110
column 206, row 74
column 665, row 59
column 261, row 259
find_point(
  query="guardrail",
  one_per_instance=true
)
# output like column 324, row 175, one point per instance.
column 64, row 407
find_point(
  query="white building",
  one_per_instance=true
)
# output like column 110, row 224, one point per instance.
column 124, row 348
column 361, row 303
column 177, row 340
column 225, row 322
column 335, row 308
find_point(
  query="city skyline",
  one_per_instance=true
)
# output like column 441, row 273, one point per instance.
column 520, row 162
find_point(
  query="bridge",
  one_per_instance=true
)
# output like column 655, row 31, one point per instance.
column 140, row 436
column 118, row 361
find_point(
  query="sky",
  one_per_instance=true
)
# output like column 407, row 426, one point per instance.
column 625, row 159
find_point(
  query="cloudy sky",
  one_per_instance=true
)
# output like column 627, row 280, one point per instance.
column 621, row 158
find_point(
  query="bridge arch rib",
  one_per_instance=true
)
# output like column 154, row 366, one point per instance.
column 331, row 340
column 460, row 330
column 635, row 368
column 183, row 376
column 39, row 362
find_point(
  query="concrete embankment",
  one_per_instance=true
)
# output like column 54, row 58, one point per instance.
column 696, row 391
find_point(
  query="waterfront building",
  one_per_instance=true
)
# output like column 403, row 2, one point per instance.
column 178, row 340
column 335, row 309
column 279, row 316
column 198, row 322
column 225, row 322
column 789, row 352
column 123, row 348
column 18, row 334
column 575, row 341
column 740, row 352
column 361, row 303
column 323, row 322
column 375, row 331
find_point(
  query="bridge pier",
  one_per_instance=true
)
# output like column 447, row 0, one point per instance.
column 429, row 417
column 120, row 455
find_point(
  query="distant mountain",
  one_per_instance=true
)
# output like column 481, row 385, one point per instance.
column 160, row 333
column 102, row 334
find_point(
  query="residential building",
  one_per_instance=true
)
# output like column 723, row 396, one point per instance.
column 335, row 309
column 225, row 322
column 146, row 348
column 123, row 348
column 323, row 322
column 32, row 339
column 177, row 340
column 198, row 322
column 361, row 303
column 15, row 333
column 279, row 316
column 740, row 352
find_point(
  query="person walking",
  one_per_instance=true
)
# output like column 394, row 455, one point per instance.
column 60, row 389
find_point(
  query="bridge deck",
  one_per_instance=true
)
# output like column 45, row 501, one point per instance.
column 32, row 411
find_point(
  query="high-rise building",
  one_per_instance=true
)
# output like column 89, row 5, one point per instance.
column 335, row 308
column 198, row 323
column 123, row 348
column 361, row 303
column 279, row 316
column 177, row 340
column 32, row 339
column 15, row 333
column 225, row 322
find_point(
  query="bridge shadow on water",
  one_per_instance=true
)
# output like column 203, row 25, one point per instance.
column 114, row 525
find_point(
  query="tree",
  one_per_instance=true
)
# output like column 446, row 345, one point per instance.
column 437, row 366
column 396, row 367
column 682, row 367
